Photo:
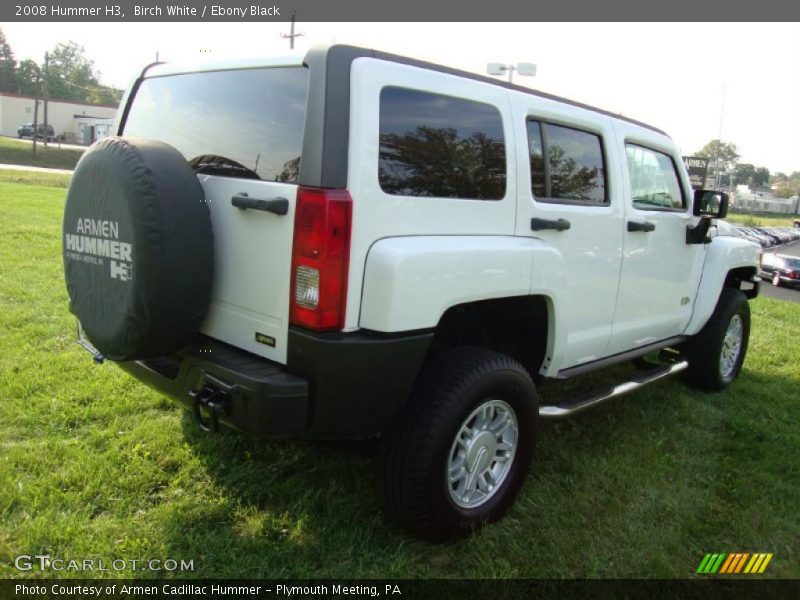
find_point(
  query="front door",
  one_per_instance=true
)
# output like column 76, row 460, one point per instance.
column 660, row 271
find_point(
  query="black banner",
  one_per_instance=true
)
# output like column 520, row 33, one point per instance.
column 471, row 589
column 408, row 10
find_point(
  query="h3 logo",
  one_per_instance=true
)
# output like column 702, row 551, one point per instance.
column 121, row 270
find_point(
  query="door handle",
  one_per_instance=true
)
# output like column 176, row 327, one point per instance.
column 277, row 206
column 641, row 226
column 556, row 224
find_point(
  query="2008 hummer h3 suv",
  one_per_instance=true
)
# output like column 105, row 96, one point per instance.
column 355, row 243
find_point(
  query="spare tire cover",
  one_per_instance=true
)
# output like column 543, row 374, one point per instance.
column 138, row 248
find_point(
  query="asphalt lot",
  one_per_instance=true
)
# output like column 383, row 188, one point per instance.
column 783, row 292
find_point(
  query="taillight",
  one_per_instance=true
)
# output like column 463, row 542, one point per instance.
column 320, row 258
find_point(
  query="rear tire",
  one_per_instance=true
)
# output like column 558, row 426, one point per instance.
column 717, row 351
column 459, row 452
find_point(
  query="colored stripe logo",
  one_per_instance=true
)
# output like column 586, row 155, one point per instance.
column 733, row 563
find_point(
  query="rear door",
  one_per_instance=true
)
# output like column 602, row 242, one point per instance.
column 569, row 196
column 242, row 129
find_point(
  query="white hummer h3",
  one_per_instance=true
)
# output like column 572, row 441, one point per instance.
column 351, row 244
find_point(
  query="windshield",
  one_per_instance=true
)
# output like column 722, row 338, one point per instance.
column 792, row 263
column 250, row 117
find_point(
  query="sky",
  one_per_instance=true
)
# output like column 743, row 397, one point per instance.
column 687, row 79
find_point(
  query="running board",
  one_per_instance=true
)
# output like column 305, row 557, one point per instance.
column 570, row 407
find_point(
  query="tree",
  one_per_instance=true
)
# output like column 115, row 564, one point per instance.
column 759, row 178
column 744, row 171
column 724, row 151
column 72, row 76
column 778, row 177
column 28, row 73
column 8, row 65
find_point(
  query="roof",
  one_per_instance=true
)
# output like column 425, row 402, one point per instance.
column 474, row 76
column 159, row 69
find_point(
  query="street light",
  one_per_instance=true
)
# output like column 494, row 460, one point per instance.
column 526, row 69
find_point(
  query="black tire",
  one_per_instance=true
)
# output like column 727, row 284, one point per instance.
column 417, row 449
column 776, row 279
column 704, row 350
column 138, row 248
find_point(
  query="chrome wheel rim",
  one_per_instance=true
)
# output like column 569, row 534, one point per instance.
column 731, row 346
column 482, row 454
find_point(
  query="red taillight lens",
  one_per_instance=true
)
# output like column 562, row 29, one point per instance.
column 320, row 258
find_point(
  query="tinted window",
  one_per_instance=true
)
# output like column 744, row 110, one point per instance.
column 440, row 146
column 254, row 116
column 576, row 164
column 654, row 182
column 575, row 168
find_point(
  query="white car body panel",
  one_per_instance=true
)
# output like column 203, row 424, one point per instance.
column 252, row 266
column 378, row 215
column 725, row 252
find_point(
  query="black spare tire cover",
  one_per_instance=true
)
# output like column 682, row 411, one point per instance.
column 138, row 248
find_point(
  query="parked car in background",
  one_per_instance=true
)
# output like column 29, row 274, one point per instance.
column 27, row 131
column 780, row 268
column 768, row 237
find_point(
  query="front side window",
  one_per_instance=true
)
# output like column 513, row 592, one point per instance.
column 574, row 170
column 245, row 123
column 433, row 145
column 654, row 181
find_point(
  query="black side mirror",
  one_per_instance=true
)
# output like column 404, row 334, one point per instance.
column 708, row 203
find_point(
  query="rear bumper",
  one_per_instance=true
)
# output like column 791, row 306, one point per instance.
column 260, row 398
column 334, row 385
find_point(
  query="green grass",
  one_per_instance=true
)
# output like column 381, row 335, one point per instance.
column 59, row 180
column 96, row 465
column 14, row 152
column 761, row 219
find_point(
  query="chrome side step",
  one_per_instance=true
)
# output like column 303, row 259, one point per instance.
column 570, row 407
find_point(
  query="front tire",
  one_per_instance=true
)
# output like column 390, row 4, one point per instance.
column 716, row 353
column 461, row 449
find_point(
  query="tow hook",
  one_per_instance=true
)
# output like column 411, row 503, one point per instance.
column 209, row 404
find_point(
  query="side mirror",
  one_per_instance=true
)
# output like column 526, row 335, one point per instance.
column 708, row 203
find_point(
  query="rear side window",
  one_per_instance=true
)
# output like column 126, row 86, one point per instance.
column 567, row 164
column 253, row 117
column 654, row 181
column 440, row 146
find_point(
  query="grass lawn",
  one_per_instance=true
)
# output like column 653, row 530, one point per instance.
column 14, row 152
column 96, row 465
column 761, row 219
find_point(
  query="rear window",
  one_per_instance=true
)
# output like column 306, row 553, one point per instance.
column 254, row 117
column 440, row 146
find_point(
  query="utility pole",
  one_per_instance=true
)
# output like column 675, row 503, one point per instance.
column 291, row 35
column 36, row 113
column 46, row 96
column 717, row 179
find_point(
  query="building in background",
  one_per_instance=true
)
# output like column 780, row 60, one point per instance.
column 74, row 122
